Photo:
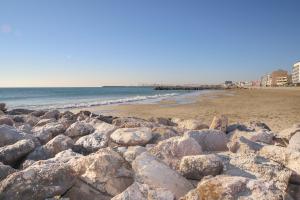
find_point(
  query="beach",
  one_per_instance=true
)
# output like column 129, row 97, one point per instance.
column 279, row 108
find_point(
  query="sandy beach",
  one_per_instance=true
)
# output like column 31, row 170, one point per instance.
column 278, row 107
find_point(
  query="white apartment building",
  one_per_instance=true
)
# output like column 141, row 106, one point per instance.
column 296, row 73
column 266, row 80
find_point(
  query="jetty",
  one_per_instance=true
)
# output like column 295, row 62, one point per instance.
column 200, row 87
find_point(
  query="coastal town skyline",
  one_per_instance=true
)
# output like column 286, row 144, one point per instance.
column 95, row 43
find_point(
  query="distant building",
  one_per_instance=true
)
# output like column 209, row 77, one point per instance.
column 256, row 83
column 279, row 78
column 296, row 73
column 228, row 83
column 266, row 80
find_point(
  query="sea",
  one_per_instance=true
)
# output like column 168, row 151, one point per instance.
column 77, row 97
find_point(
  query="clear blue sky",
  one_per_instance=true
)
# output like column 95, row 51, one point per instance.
column 120, row 42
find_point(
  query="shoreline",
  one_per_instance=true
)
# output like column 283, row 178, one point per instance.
column 278, row 107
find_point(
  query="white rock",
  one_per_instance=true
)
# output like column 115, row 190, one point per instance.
column 132, row 136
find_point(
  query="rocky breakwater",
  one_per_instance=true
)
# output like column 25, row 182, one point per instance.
column 62, row 155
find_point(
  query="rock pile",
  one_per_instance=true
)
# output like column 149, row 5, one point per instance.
column 55, row 155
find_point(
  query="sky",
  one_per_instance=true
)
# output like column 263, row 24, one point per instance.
column 133, row 42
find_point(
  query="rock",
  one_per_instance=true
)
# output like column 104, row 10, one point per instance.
column 43, row 122
column 5, row 170
column 284, row 156
column 173, row 149
column 18, row 118
column 49, row 131
column 81, row 190
column 10, row 154
column 191, row 124
column 132, row 122
column 257, row 126
column 233, row 187
column 132, row 152
column 26, row 128
column 19, row 111
column 10, row 135
column 79, row 129
column 51, row 114
column 4, row 120
column 256, row 167
column 262, row 136
column 243, row 145
column 219, row 123
column 103, row 127
column 132, row 136
column 1, row 113
column 105, row 170
column 38, row 182
column 196, row 167
column 163, row 133
column 162, row 121
column 288, row 133
column 209, row 140
column 3, row 107
column 32, row 120
column 294, row 143
column 93, row 142
column 156, row 174
column 38, row 113
column 294, row 191
column 139, row 191
column 54, row 146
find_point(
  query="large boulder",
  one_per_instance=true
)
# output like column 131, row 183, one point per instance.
column 54, row 146
column 5, row 170
column 79, row 129
column 262, row 136
column 10, row 135
column 43, row 122
column 284, row 156
column 19, row 111
column 209, row 140
column 132, row 136
column 47, row 132
column 233, row 187
column 196, row 167
column 92, row 142
column 10, row 154
column 31, row 120
column 286, row 134
column 51, row 114
column 173, row 149
column 105, row 170
column 162, row 121
column 191, row 124
column 139, row 191
column 163, row 133
column 253, row 166
column 294, row 143
column 38, row 182
column 149, row 170
column 243, row 145
column 3, row 107
column 5, row 120
column 219, row 123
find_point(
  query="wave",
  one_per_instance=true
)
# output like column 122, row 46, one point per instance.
column 107, row 102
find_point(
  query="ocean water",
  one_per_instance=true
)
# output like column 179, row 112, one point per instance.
column 64, row 98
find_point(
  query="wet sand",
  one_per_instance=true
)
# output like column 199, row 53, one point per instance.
column 279, row 107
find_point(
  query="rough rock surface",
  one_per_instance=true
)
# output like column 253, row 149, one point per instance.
column 191, row 124
column 6, row 120
column 163, row 133
column 156, row 174
column 105, row 170
column 38, row 182
column 132, row 136
column 79, row 129
column 54, row 146
column 173, row 149
column 196, row 167
column 92, row 142
column 209, row 140
column 47, row 132
column 132, row 122
column 10, row 154
column 243, row 145
column 289, row 132
column 5, row 170
column 51, row 114
column 233, row 187
column 294, row 143
column 219, row 123
column 139, row 191
column 132, row 152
